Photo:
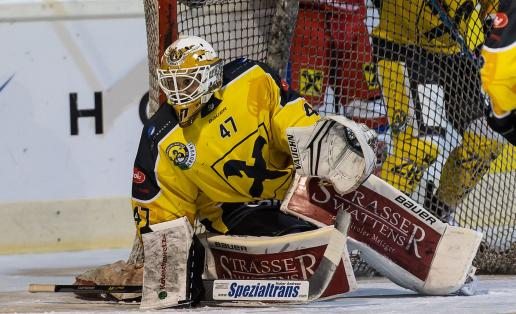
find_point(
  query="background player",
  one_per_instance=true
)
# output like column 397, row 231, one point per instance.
column 499, row 71
column 435, row 42
column 331, row 50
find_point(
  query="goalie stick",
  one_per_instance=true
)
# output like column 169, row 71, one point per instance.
column 331, row 258
column 84, row 289
column 318, row 282
column 451, row 25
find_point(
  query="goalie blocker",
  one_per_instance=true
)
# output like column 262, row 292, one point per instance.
column 291, row 268
column 395, row 235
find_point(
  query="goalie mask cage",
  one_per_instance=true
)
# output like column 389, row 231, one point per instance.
column 407, row 68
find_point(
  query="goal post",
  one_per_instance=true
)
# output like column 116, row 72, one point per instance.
column 261, row 30
column 409, row 69
column 161, row 25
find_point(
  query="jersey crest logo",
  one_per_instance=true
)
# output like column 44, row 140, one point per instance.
column 369, row 70
column 183, row 156
column 258, row 171
column 399, row 121
column 311, row 82
column 246, row 168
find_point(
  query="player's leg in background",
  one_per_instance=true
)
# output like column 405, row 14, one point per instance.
column 499, row 55
column 411, row 154
column 309, row 54
column 471, row 159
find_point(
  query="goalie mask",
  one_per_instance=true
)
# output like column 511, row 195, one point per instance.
column 190, row 72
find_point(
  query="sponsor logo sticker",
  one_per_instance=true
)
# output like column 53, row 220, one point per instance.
column 500, row 20
column 257, row 290
column 294, row 151
column 182, row 155
column 230, row 247
column 138, row 176
column 390, row 223
column 150, row 131
column 284, row 85
column 162, row 295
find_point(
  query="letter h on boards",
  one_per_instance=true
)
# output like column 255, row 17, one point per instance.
column 75, row 114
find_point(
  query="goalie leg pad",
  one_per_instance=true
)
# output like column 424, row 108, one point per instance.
column 289, row 257
column 168, row 265
column 447, row 272
column 452, row 260
column 395, row 235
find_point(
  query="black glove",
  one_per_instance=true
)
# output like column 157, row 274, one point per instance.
column 506, row 126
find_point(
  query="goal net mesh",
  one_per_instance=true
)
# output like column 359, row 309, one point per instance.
column 409, row 69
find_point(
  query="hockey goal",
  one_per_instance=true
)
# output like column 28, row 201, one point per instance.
column 409, row 69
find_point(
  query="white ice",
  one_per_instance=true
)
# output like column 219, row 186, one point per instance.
column 497, row 294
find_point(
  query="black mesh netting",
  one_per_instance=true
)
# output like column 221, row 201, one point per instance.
column 410, row 70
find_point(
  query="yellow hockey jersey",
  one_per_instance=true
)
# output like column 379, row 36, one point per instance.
column 236, row 150
column 499, row 52
column 417, row 22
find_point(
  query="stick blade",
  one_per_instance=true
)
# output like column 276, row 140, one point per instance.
column 41, row 288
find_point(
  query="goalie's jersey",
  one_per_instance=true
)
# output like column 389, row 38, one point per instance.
column 416, row 22
column 236, row 150
column 499, row 52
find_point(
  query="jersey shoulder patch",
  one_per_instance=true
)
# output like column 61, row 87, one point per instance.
column 160, row 124
column 145, row 185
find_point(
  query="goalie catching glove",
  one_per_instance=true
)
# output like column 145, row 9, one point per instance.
column 336, row 149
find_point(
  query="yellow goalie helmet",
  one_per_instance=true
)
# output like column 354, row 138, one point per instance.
column 190, row 72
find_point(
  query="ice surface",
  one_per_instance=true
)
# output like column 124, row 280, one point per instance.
column 497, row 294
